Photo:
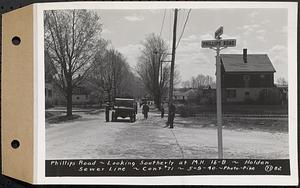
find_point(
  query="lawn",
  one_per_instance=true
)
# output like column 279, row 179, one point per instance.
column 194, row 110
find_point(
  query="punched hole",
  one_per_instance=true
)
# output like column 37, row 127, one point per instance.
column 16, row 40
column 15, row 144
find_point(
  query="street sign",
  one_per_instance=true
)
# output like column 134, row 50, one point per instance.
column 217, row 46
column 220, row 43
column 219, row 32
column 228, row 42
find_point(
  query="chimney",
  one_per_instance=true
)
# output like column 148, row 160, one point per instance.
column 245, row 55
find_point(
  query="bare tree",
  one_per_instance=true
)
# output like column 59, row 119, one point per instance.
column 111, row 75
column 186, row 84
column 282, row 81
column 199, row 81
column 71, row 40
column 152, row 68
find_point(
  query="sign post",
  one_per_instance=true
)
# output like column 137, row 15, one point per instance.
column 219, row 45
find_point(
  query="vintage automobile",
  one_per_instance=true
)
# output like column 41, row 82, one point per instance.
column 124, row 107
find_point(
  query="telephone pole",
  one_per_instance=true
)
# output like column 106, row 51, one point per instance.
column 173, row 61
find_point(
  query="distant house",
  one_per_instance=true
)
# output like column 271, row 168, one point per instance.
column 48, row 94
column 53, row 95
column 80, row 95
column 246, row 77
column 180, row 94
column 184, row 94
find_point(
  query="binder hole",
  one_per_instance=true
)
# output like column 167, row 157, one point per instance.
column 16, row 40
column 15, row 144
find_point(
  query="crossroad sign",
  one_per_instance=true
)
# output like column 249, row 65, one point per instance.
column 220, row 43
column 219, row 32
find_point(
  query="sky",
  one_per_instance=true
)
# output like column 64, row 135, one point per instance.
column 261, row 31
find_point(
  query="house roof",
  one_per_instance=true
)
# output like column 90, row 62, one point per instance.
column 183, row 91
column 255, row 63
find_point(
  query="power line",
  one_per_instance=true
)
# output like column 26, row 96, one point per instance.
column 179, row 19
column 162, row 24
column 187, row 17
column 170, row 31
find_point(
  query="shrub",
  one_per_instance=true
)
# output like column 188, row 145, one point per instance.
column 268, row 96
column 185, row 111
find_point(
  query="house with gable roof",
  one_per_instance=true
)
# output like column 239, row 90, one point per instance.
column 246, row 76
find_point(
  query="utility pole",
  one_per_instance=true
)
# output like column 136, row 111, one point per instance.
column 173, row 61
column 161, row 69
column 114, row 74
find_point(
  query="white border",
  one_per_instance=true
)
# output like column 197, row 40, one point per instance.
column 167, row 180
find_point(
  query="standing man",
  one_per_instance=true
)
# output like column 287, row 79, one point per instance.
column 172, row 115
column 107, row 112
column 145, row 110
column 162, row 110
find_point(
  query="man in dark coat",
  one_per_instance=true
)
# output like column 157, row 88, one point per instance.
column 172, row 110
column 107, row 112
column 145, row 110
column 162, row 110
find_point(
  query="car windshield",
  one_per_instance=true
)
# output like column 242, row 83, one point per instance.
column 124, row 103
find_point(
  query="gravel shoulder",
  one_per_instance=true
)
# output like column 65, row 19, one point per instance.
column 90, row 137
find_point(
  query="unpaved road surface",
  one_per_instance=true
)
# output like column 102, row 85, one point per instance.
column 90, row 137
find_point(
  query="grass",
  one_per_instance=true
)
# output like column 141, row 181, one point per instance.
column 59, row 118
column 190, row 110
column 269, row 125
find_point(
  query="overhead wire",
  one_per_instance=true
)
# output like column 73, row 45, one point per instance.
column 163, row 22
column 170, row 36
column 184, row 26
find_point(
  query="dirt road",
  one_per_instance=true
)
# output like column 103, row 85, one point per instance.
column 92, row 138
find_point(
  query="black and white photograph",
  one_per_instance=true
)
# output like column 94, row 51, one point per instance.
column 167, row 83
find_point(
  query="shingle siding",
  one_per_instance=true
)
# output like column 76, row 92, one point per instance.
column 255, row 80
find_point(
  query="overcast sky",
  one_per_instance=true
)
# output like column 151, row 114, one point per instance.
column 261, row 31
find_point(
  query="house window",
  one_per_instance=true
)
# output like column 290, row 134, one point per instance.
column 246, row 80
column 263, row 80
column 77, row 98
column 247, row 93
column 246, row 77
column 231, row 93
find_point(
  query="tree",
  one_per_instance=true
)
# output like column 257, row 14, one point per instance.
column 186, row 84
column 198, row 82
column 71, row 40
column 282, row 81
column 152, row 68
column 50, row 70
column 111, row 75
